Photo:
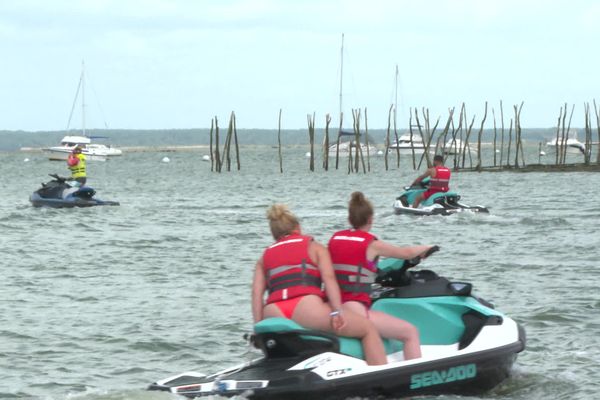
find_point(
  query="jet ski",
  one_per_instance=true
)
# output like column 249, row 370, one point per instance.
column 442, row 203
column 62, row 192
column 468, row 347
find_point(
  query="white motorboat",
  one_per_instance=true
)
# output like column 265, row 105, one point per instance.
column 407, row 144
column 456, row 146
column 93, row 151
column 574, row 146
column 349, row 149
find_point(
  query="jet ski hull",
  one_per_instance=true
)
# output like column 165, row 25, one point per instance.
column 61, row 193
column 462, row 375
column 443, row 203
column 38, row 201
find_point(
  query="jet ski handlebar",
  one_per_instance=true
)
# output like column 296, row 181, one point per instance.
column 415, row 261
column 58, row 178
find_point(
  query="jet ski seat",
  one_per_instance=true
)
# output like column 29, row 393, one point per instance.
column 426, row 313
column 349, row 346
column 433, row 197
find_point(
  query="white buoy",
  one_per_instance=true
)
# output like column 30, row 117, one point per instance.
column 26, row 160
column 206, row 157
column 166, row 159
column 380, row 153
column 542, row 153
column 497, row 151
column 307, row 154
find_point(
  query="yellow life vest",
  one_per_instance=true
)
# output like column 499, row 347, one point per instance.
column 78, row 170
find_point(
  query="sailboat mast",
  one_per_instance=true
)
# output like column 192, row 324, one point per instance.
column 83, row 97
column 341, row 72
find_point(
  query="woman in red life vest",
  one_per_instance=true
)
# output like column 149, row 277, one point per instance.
column 292, row 270
column 354, row 253
column 439, row 180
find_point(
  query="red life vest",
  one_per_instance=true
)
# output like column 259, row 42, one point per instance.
column 353, row 271
column 441, row 180
column 289, row 270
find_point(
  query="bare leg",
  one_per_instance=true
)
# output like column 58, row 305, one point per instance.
column 395, row 328
column 417, row 200
column 311, row 312
column 391, row 327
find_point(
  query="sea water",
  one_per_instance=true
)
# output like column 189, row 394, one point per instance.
column 97, row 303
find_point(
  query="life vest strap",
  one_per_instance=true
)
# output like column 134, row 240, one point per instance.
column 293, row 280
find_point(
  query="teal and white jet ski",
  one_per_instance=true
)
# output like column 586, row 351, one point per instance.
column 468, row 347
column 442, row 203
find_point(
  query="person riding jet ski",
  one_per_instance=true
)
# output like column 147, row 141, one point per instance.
column 354, row 253
column 439, row 180
column 76, row 163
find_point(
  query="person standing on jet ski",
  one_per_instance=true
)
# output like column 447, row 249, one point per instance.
column 439, row 180
column 292, row 270
column 354, row 253
column 76, row 163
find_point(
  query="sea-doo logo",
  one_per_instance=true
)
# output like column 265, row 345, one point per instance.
column 430, row 378
column 338, row 372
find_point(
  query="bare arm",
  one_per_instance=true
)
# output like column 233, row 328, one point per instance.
column 332, row 289
column 259, row 286
column 320, row 254
column 430, row 172
column 381, row 248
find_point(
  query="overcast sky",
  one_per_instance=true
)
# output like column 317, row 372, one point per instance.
column 175, row 63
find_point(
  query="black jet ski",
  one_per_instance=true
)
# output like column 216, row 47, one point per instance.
column 467, row 347
column 62, row 192
column 442, row 203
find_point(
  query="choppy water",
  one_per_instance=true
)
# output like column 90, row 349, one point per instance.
column 97, row 303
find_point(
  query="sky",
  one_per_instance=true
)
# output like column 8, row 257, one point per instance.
column 157, row 64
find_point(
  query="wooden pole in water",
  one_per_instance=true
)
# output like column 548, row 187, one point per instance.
column 509, row 144
column 517, row 138
column 326, row 143
column 337, row 145
column 430, row 137
column 479, row 138
column 562, row 139
column 495, row 135
column 444, row 134
column 367, row 142
column 235, row 137
column 212, row 156
column 279, row 142
column 598, row 130
column 557, row 147
column 520, row 136
column 397, row 143
column 311, row 138
column 540, row 153
column 356, row 114
column 387, row 137
column 227, row 146
column 569, row 127
column 502, row 141
column 412, row 148
column 217, row 154
column 466, row 146
column 586, row 110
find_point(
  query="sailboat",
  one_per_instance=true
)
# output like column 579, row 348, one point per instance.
column 347, row 139
column 93, row 151
column 407, row 143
